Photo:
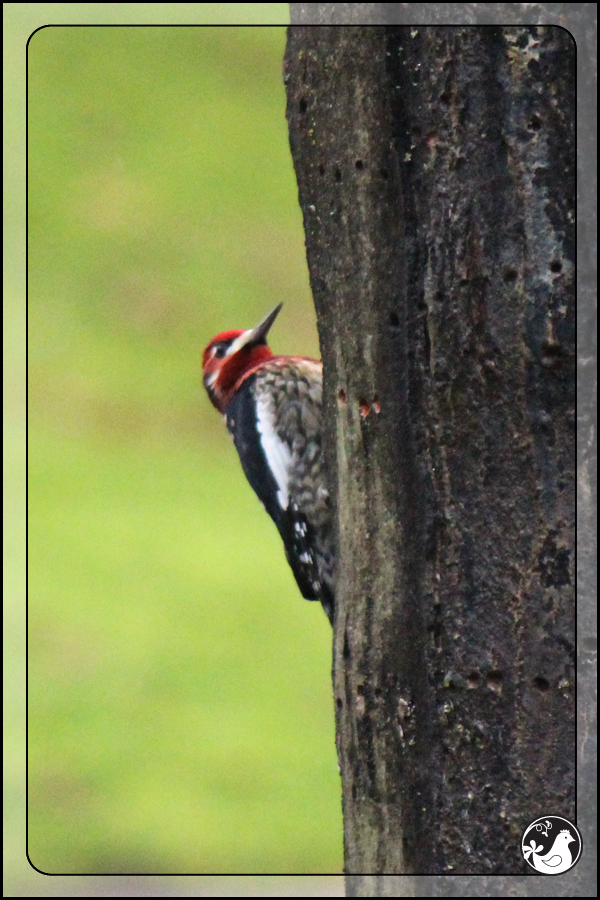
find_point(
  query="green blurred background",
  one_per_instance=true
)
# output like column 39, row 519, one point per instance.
column 180, row 704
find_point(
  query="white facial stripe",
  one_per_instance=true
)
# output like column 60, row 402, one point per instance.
column 277, row 452
column 238, row 343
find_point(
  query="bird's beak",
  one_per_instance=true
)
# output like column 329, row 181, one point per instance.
column 258, row 334
column 254, row 336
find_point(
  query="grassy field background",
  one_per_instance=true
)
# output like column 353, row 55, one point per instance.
column 180, row 708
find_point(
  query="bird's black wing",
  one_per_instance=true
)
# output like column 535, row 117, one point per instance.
column 242, row 425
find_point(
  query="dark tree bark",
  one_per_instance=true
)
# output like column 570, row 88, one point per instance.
column 436, row 178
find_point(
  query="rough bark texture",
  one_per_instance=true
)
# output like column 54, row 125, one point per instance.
column 567, row 15
column 435, row 171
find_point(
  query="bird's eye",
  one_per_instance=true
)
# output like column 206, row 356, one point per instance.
column 219, row 351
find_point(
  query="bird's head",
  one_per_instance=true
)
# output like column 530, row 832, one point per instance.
column 230, row 355
column 566, row 836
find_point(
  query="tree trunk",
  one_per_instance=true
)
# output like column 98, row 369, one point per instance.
column 436, row 177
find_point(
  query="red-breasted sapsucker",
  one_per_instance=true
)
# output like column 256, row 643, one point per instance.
column 272, row 407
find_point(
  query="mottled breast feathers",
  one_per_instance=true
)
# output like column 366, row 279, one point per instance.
column 282, row 427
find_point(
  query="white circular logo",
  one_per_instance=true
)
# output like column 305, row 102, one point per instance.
column 551, row 845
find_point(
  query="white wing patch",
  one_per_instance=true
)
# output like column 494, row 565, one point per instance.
column 277, row 452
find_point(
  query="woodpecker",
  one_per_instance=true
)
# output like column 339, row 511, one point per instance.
column 272, row 408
